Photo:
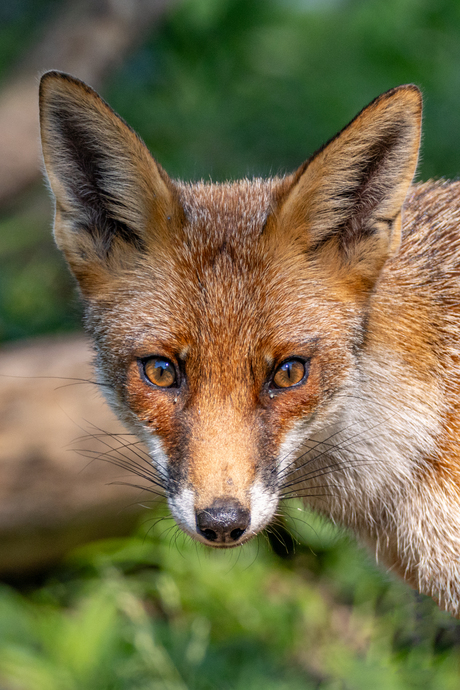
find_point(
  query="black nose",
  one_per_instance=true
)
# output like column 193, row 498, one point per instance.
column 224, row 522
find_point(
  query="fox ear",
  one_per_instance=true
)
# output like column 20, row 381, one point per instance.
column 112, row 199
column 345, row 203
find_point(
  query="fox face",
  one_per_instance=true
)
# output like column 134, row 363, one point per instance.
column 220, row 365
column 228, row 319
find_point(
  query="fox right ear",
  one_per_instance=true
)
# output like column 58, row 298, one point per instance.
column 112, row 199
column 344, row 205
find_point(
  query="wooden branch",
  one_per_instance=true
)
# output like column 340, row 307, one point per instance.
column 52, row 496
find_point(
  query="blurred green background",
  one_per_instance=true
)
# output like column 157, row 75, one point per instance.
column 223, row 89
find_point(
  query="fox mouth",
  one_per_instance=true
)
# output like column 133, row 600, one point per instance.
column 226, row 522
column 227, row 545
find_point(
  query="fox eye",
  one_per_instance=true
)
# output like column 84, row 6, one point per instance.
column 160, row 371
column 290, row 373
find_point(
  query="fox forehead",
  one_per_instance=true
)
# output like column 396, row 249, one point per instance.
column 234, row 211
column 237, row 299
column 220, row 282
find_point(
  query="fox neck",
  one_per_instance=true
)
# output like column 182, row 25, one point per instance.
column 379, row 465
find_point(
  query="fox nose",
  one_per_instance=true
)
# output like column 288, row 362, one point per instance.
column 224, row 522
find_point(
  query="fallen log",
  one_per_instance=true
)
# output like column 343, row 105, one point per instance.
column 56, row 474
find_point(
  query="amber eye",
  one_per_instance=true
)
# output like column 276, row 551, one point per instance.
column 160, row 372
column 289, row 373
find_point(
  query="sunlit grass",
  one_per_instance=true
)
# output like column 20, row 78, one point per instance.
column 160, row 611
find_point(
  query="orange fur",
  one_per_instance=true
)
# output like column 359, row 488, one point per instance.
column 332, row 267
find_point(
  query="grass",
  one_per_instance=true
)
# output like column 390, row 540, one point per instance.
column 158, row 611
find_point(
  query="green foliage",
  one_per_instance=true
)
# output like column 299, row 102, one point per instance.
column 240, row 87
column 157, row 611
column 36, row 291
column 21, row 22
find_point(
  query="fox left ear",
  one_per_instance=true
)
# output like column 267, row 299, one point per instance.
column 113, row 201
column 345, row 203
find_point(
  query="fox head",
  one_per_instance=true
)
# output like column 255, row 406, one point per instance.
column 227, row 318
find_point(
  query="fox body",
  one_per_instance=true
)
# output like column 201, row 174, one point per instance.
column 282, row 337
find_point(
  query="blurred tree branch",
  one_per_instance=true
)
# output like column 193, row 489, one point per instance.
column 88, row 39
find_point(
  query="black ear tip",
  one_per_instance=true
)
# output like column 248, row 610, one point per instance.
column 54, row 75
column 53, row 78
column 50, row 74
column 59, row 76
column 61, row 83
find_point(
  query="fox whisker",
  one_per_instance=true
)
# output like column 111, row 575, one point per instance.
column 133, row 447
column 137, row 486
column 351, row 440
column 328, row 469
column 122, row 462
column 293, row 492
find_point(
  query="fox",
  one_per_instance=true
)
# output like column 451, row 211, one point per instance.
column 282, row 337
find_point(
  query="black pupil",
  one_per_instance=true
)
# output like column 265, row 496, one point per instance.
column 162, row 368
column 288, row 369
